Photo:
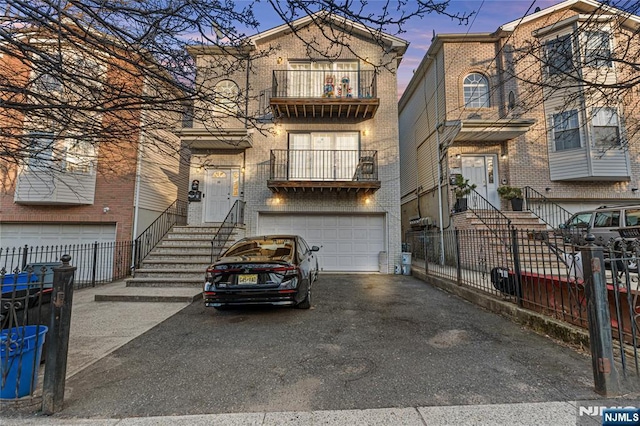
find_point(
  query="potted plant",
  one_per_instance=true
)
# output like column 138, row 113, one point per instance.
column 461, row 190
column 514, row 194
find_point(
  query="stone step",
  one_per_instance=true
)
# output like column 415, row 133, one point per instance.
column 164, row 281
column 177, row 273
column 163, row 264
column 122, row 293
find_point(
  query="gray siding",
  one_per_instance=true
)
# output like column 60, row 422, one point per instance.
column 49, row 187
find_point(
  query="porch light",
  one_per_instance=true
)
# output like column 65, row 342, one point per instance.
column 458, row 156
column 367, row 200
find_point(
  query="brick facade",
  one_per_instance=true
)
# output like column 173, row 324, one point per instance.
column 379, row 133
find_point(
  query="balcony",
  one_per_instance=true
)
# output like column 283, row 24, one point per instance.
column 324, row 94
column 303, row 170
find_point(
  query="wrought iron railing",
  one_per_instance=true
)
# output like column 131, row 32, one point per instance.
column 323, row 165
column 97, row 263
column 546, row 210
column 175, row 214
column 324, row 84
column 491, row 216
column 234, row 218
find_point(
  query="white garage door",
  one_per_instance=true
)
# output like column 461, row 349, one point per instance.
column 19, row 234
column 349, row 242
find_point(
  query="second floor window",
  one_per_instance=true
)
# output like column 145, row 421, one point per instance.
column 476, row 91
column 606, row 128
column 559, row 55
column 79, row 156
column 323, row 156
column 566, row 130
column 40, row 150
column 597, row 49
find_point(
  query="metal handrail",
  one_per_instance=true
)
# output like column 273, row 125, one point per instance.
column 546, row 210
column 324, row 84
column 175, row 214
column 488, row 214
column 323, row 165
column 234, row 218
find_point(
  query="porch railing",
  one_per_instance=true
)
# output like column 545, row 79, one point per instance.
column 324, row 84
column 175, row 214
column 323, row 165
column 546, row 210
column 491, row 216
column 234, row 218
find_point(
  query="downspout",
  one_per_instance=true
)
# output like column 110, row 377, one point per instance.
column 438, row 127
column 136, row 198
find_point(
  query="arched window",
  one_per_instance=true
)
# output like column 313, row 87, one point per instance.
column 476, row 91
column 227, row 101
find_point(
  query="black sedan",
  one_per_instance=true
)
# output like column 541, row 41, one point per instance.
column 270, row 269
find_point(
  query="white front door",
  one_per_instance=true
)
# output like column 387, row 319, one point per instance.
column 481, row 170
column 222, row 189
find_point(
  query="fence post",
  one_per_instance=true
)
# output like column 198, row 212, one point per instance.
column 605, row 374
column 424, row 250
column 516, row 265
column 58, row 336
column 456, row 235
column 25, row 253
column 95, row 264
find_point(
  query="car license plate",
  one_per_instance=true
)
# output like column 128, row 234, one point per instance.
column 248, row 279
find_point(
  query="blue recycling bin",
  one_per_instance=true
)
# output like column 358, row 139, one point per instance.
column 20, row 281
column 20, row 351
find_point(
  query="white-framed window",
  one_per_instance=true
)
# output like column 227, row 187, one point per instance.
column 476, row 91
column 79, row 156
column 606, row 127
column 566, row 130
column 559, row 55
column 322, row 79
column 227, row 98
column 597, row 49
column 323, row 155
column 40, row 149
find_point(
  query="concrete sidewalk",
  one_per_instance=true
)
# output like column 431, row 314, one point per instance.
column 99, row 328
column 545, row 413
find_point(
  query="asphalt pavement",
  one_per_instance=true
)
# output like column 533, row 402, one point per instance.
column 374, row 349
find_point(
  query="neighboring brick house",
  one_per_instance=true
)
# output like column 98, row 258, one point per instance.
column 70, row 188
column 322, row 158
column 507, row 108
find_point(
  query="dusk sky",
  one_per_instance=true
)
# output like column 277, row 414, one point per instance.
column 490, row 14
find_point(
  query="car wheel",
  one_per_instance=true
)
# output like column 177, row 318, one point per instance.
column 627, row 263
column 306, row 303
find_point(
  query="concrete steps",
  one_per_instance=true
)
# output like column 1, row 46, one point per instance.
column 174, row 270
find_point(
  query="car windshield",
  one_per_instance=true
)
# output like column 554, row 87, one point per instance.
column 276, row 248
column 580, row 220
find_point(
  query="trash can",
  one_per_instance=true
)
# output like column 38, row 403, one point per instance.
column 406, row 263
column 21, row 348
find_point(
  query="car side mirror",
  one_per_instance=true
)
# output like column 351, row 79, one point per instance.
column 315, row 248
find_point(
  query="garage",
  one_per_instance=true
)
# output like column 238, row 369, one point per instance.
column 349, row 243
column 47, row 234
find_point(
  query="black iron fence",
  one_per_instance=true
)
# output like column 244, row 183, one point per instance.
column 323, row 165
column 96, row 262
column 324, row 84
column 545, row 271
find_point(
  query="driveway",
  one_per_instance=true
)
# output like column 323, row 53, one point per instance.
column 369, row 341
